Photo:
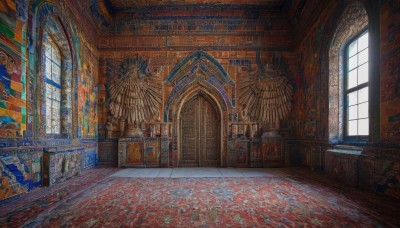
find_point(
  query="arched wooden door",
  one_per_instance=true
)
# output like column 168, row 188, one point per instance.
column 200, row 125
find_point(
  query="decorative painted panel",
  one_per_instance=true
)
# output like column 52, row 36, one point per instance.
column 20, row 173
column 151, row 153
column 134, row 154
column 12, row 96
column 91, row 158
column 138, row 152
column 272, row 149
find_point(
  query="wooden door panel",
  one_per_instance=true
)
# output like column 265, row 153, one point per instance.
column 200, row 133
column 188, row 126
column 211, row 152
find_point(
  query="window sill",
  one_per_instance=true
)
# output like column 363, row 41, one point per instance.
column 347, row 149
column 350, row 143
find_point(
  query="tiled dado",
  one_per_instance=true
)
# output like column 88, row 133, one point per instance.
column 28, row 163
column 24, row 142
column 255, row 152
column 142, row 152
column 371, row 167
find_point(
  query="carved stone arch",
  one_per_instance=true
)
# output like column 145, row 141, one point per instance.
column 352, row 21
column 52, row 20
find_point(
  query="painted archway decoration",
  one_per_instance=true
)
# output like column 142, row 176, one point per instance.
column 199, row 68
column 193, row 62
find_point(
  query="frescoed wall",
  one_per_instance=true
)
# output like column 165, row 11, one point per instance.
column 20, row 173
column 390, row 70
column 220, row 43
column 22, row 138
column 183, row 44
column 311, row 122
column 12, row 70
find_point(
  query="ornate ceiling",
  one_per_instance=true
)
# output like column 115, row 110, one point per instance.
column 129, row 4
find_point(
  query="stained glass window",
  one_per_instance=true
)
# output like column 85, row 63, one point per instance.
column 52, row 58
column 356, row 87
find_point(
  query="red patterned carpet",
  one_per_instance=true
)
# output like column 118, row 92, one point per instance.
column 207, row 202
column 304, row 199
column 16, row 212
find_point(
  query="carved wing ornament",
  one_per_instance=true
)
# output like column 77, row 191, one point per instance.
column 135, row 96
column 266, row 96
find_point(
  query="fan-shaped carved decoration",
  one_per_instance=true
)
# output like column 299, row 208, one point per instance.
column 266, row 95
column 135, row 95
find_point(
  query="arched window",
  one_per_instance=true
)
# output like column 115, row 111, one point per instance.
column 56, row 84
column 349, row 66
column 356, row 87
column 53, row 87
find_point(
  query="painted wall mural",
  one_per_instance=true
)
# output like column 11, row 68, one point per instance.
column 19, row 173
column 21, row 148
column 390, row 70
column 12, row 96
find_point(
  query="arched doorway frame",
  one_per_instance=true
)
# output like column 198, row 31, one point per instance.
column 186, row 98
column 198, row 71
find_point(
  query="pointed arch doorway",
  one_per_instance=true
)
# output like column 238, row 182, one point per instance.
column 200, row 132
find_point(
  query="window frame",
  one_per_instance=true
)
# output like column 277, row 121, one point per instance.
column 345, row 91
column 49, row 81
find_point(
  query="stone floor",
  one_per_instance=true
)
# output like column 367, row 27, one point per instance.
column 200, row 172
